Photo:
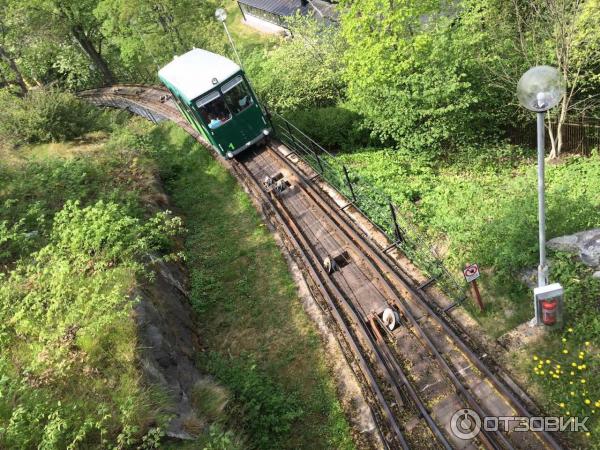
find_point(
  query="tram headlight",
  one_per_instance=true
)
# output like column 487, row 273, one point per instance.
column 266, row 131
column 229, row 155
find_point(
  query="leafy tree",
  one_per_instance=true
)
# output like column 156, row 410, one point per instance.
column 148, row 33
column 7, row 57
column 302, row 72
column 408, row 75
column 518, row 35
column 47, row 50
column 68, row 22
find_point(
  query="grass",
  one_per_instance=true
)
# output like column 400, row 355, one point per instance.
column 253, row 326
column 72, row 230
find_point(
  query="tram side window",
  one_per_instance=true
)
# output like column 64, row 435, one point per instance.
column 213, row 110
column 237, row 96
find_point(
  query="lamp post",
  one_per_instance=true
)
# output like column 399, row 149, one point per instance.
column 540, row 89
column 221, row 15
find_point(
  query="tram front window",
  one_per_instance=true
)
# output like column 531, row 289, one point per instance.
column 213, row 110
column 237, row 96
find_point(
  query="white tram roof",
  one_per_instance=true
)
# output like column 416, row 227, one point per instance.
column 193, row 72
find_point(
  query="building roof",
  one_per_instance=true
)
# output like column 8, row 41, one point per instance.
column 192, row 73
column 320, row 8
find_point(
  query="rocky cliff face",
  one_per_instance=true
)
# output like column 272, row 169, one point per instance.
column 169, row 343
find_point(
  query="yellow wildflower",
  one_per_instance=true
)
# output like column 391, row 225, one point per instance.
column 587, row 401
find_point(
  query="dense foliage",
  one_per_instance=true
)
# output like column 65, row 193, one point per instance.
column 333, row 127
column 432, row 76
column 405, row 74
column 72, row 239
column 66, row 333
column 78, row 44
column 44, row 116
column 303, row 72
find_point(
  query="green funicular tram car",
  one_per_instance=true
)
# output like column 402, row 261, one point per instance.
column 214, row 95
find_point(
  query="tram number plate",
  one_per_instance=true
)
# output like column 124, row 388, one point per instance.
column 471, row 272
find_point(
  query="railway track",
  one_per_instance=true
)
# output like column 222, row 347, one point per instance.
column 416, row 376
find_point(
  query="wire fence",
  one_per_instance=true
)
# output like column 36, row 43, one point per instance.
column 581, row 136
column 387, row 217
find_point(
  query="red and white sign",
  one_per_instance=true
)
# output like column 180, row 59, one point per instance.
column 471, row 272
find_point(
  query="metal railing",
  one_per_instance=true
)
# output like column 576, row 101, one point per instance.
column 581, row 136
column 374, row 204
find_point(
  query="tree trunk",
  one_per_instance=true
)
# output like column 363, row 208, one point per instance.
column 557, row 139
column 552, row 138
column 564, row 106
column 15, row 70
column 88, row 47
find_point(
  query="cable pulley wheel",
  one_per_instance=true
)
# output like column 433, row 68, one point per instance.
column 330, row 265
column 390, row 318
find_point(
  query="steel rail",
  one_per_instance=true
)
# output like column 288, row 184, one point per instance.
column 409, row 386
column 382, row 263
column 387, row 270
column 354, row 241
column 315, row 270
column 386, row 359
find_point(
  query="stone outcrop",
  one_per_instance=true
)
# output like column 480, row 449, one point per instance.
column 585, row 244
column 168, row 342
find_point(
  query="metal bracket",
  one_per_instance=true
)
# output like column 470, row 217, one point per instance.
column 427, row 283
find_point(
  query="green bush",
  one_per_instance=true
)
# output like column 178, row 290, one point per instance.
column 34, row 191
column 67, row 334
column 302, row 72
column 44, row 116
column 410, row 78
column 333, row 127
